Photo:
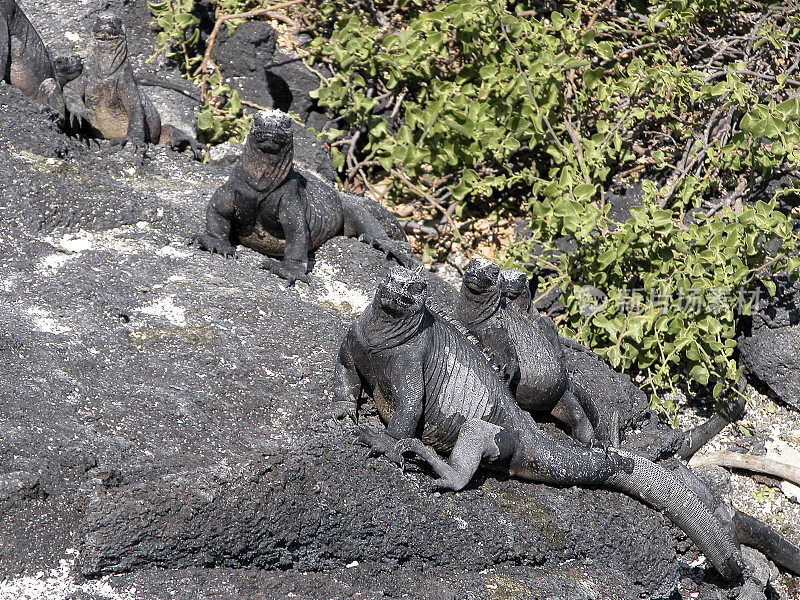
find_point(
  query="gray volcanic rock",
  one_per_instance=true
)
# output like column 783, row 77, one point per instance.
column 265, row 74
column 770, row 351
column 772, row 357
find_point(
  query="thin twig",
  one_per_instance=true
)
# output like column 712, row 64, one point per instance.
column 435, row 203
column 757, row 464
column 594, row 16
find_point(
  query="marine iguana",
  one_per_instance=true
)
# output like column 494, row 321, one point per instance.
column 70, row 66
column 428, row 379
column 273, row 207
column 516, row 290
column 24, row 60
column 528, row 354
column 516, row 293
column 106, row 96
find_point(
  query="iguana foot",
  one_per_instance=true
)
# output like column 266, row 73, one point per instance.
column 77, row 117
column 288, row 270
column 181, row 141
column 50, row 113
column 379, row 443
column 340, row 411
column 198, row 149
column 214, row 245
column 394, row 250
column 135, row 145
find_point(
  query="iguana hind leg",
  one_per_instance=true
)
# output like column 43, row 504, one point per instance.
column 475, row 443
column 568, row 410
column 360, row 223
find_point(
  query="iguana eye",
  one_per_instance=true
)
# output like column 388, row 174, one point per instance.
column 416, row 288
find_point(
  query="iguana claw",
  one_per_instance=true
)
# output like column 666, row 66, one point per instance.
column 379, row 443
column 288, row 270
column 78, row 116
column 340, row 411
column 136, row 145
column 214, row 245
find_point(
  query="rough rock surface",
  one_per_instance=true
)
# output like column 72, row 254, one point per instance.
column 159, row 410
column 770, row 351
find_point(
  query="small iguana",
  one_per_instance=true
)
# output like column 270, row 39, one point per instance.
column 24, row 60
column 428, row 379
column 526, row 350
column 277, row 209
column 106, row 96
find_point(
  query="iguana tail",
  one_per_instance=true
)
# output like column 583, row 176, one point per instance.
column 661, row 490
column 387, row 220
column 760, row 536
column 541, row 458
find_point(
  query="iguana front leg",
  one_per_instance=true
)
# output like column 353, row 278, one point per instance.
column 346, row 384
column 73, row 93
column 291, row 216
column 407, row 394
column 219, row 213
column 137, row 117
column 504, row 356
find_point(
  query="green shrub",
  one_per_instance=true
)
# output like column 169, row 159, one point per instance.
column 220, row 118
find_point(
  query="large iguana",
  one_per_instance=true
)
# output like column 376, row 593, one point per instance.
column 24, row 60
column 428, row 379
column 106, row 97
column 272, row 206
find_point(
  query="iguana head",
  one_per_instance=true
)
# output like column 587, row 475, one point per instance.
column 402, row 292
column 108, row 27
column 272, row 131
column 481, row 275
column 109, row 47
column 67, row 68
column 514, row 283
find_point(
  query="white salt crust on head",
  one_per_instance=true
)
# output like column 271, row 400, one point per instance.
column 513, row 275
column 481, row 263
column 274, row 117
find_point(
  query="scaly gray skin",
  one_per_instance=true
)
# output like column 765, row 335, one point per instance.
column 24, row 60
column 749, row 530
column 517, row 292
column 106, row 97
column 277, row 209
column 70, row 67
column 426, row 377
column 528, row 354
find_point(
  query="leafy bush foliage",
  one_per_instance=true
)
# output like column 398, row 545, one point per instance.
column 221, row 117
column 480, row 106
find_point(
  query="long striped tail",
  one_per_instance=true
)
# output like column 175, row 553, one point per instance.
column 663, row 491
